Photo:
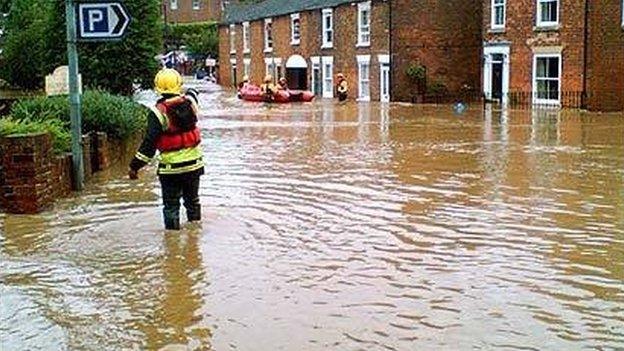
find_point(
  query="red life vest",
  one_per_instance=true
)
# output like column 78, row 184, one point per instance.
column 174, row 138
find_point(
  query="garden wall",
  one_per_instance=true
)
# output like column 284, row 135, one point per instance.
column 32, row 177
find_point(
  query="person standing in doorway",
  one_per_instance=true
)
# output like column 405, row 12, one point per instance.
column 172, row 131
column 342, row 87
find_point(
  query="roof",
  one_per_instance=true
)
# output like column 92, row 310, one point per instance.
column 237, row 13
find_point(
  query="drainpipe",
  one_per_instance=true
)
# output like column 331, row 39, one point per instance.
column 391, row 51
column 585, row 47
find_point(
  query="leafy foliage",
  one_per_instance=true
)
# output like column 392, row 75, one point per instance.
column 35, row 45
column 118, row 116
column 199, row 38
column 416, row 72
column 61, row 137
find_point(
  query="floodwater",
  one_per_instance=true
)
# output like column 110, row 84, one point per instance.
column 343, row 227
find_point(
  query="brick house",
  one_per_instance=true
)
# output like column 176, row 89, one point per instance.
column 189, row 11
column 554, row 52
column 441, row 37
column 309, row 42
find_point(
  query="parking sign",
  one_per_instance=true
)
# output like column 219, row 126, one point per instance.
column 102, row 21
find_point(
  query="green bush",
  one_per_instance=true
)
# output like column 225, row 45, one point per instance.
column 61, row 138
column 117, row 116
column 416, row 72
column 199, row 38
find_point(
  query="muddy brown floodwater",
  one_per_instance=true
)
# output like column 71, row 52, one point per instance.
column 344, row 227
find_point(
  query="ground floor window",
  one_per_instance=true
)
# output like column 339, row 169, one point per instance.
column 274, row 68
column 247, row 67
column 547, row 78
column 363, row 77
column 328, row 76
column 233, row 72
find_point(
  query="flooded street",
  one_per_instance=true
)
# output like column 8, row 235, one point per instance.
column 344, row 227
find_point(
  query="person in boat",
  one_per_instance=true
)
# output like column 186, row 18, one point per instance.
column 282, row 84
column 242, row 85
column 268, row 88
column 172, row 131
column 342, row 87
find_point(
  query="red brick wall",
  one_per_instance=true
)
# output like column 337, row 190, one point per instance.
column 606, row 57
column 443, row 36
column 344, row 51
column 209, row 10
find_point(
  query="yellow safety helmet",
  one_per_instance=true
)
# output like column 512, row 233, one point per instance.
column 168, row 81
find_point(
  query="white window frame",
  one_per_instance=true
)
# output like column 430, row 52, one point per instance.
column 233, row 67
column 232, row 38
column 316, row 64
column 173, row 4
column 536, row 99
column 196, row 4
column 295, row 17
column 361, row 61
column 328, row 77
column 246, row 38
column 327, row 13
column 268, row 39
column 622, row 10
column 498, row 4
column 247, row 67
column 541, row 23
column 384, row 60
column 364, row 6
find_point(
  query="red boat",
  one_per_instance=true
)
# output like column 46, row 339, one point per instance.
column 251, row 92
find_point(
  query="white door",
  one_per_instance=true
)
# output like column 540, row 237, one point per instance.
column 384, row 85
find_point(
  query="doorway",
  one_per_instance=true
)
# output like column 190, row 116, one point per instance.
column 297, row 72
column 385, row 83
column 317, row 79
column 497, row 77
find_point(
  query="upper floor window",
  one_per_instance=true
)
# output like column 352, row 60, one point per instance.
column 246, row 38
column 622, row 13
column 268, row 35
column 295, row 29
column 196, row 4
column 364, row 23
column 498, row 13
column 328, row 28
column 174, row 4
column 547, row 12
column 232, row 38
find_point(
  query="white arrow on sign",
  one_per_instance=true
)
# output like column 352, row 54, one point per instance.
column 103, row 21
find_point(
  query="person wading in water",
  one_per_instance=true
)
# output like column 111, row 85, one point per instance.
column 342, row 87
column 172, row 131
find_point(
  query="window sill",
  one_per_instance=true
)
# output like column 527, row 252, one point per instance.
column 546, row 28
column 362, row 45
column 327, row 46
column 295, row 43
column 247, row 52
column 266, row 51
column 232, row 52
column 496, row 30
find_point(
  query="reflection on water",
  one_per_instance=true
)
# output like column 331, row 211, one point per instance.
column 341, row 226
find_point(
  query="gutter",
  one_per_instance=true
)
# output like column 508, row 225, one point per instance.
column 391, row 51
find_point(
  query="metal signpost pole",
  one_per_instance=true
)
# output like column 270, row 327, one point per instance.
column 74, row 96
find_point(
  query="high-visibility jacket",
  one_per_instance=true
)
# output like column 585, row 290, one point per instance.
column 179, row 151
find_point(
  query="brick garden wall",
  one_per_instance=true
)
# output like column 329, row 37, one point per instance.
column 32, row 176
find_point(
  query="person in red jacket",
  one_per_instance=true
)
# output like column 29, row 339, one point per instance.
column 172, row 131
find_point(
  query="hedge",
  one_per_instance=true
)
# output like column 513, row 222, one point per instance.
column 117, row 116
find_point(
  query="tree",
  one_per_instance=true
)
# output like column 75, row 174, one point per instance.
column 113, row 66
